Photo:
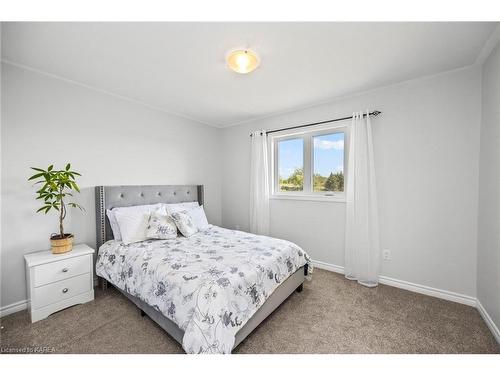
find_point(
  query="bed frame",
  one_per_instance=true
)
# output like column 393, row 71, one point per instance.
column 108, row 197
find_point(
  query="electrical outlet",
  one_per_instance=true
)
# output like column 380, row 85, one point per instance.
column 386, row 254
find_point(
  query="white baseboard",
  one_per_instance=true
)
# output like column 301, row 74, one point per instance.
column 417, row 288
column 429, row 291
column 328, row 266
column 13, row 307
column 489, row 322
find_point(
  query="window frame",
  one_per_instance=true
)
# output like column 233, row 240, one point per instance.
column 307, row 135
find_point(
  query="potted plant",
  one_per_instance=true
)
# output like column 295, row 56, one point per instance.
column 57, row 186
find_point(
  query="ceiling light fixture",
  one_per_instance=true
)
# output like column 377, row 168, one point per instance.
column 242, row 61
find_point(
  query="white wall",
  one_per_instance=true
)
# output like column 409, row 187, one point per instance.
column 488, row 267
column 109, row 140
column 426, row 154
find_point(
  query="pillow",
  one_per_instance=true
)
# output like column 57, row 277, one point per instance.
column 130, row 210
column 185, row 223
column 161, row 226
column 199, row 217
column 114, row 225
column 184, row 206
column 132, row 225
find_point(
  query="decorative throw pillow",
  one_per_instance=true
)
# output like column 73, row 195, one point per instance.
column 185, row 223
column 161, row 226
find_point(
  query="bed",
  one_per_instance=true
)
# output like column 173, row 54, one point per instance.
column 208, row 291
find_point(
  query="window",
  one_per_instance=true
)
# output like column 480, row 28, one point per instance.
column 328, row 162
column 291, row 164
column 310, row 164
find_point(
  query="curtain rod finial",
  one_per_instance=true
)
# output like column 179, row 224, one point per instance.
column 376, row 113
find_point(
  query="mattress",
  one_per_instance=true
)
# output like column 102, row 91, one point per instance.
column 209, row 284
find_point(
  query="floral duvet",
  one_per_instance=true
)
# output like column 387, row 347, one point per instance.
column 209, row 284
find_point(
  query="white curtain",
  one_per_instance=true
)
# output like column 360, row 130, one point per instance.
column 259, row 184
column 362, row 247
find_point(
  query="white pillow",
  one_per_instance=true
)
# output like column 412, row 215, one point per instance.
column 132, row 226
column 114, row 225
column 133, row 220
column 199, row 217
column 176, row 207
column 185, row 223
column 161, row 226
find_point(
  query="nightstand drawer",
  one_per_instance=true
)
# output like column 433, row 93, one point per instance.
column 61, row 290
column 60, row 270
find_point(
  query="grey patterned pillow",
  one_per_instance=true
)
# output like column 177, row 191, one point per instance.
column 185, row 224
column 161, row 226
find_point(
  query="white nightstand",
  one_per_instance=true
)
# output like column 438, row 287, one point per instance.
column 57, row 281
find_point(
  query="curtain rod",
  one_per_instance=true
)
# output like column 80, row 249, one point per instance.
column 374, row 113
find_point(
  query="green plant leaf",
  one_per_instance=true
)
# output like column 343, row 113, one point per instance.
column 76, row 205
column 56, row 186
column 35, row 176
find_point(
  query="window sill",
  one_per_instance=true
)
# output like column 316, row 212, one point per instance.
column 303, row 197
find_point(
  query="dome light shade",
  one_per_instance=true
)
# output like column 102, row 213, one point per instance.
column 242, row 61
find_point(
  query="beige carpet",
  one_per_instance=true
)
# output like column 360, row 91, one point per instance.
column 331, row 315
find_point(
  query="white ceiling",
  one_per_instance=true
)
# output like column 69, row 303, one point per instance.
column 180, row 67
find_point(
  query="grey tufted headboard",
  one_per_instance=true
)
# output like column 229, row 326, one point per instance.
column 108, row 197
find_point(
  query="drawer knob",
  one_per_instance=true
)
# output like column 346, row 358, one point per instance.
column 65, row 270
column 65, row 290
